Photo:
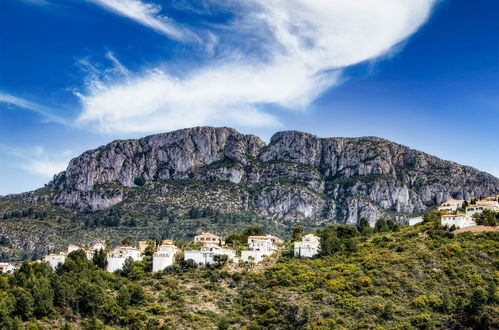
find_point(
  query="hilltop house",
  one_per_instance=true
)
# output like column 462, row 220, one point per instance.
column 55, row 259
column 6, row 267
column 308, row 247
column 451, row 205
column 260, row 246
column 164, row 256
column 95, row 248
column 143, row 246
column 415, row 221
column 208, row 238
column 458, row 220
column 72, row 248
column 116, row 258
column 205, row 255
column 479, row 206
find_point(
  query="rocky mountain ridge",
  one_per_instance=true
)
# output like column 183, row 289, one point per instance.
column 297, row 175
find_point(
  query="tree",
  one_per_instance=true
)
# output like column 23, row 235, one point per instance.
column 139, row 181
column 220, row 259
column 363, row 227
column 297, row 232
column 487, row 218
column 24, row 302
column 124, row 297
column 128, row 267
column 99, row 259
column 126, row 241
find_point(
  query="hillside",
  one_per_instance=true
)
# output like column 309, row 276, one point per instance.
column 421, row 277
column 179, row 183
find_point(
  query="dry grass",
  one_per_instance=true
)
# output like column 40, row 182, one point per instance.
column 475, row 229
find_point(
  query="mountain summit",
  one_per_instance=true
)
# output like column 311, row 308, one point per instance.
column 296, row 176
column 177, row 184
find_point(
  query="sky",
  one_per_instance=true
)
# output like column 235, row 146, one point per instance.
column 78, row 74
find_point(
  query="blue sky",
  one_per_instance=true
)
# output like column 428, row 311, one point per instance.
column 78, row 74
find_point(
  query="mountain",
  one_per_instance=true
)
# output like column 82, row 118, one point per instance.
column 205, row 177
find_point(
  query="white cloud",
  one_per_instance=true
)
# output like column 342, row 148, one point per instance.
column 36, row 160
column 147, row 14
column 44, row 111
column 40, row 162
column 307, row 45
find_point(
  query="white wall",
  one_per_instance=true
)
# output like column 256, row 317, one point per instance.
column 161, row 262
column 460, row 221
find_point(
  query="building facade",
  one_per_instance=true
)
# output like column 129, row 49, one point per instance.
column 164, row 256
column 259, row 247
column 55, row 259
column 205, row 255
column 451, row 205
column 309, row 246
column 6, row 268
column 459, row 220
column 116, row 259
column 415, row 221
column 208, row 238
column 479, row 206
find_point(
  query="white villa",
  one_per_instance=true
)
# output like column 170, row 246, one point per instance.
column 205, row 256
column 308, row 247
column 415, row 221
column 116, row 258
column 95, row 248
column 479, row 206
column 451, row 205
column 6, row 267
column 55, row 259
column 459, row 220
column 208, row 238
column 164, row 256
column 72, row 248
column 260, row 246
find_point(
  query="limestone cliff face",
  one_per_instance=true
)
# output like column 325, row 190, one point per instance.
column 296, row 176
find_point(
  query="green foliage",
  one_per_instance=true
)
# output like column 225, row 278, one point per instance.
column 487, row 218
column 338, row 239
column 139, row 181
column 297, row 232
column 390, row 280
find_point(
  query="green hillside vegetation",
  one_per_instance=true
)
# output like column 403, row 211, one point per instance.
column 396, row 278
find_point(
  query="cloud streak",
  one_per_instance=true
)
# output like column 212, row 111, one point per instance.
column 38, row 161
column 302, row 48
column 147, row 14
column 44, row 111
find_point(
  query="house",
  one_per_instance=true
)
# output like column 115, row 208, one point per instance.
column 95, row 248
column 479, row 206
column 415, row 221
column 451, row 205
column 164, row 256
column 116, row 258
column 72, row 248
column 205, row 255
column 6, row 267
column 208, row 238
column 458, row 220
column 260, row 246
column 308, row 247
column 142, row 246
column 55, row 259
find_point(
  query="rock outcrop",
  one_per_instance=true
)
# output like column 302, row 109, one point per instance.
column 296, row 176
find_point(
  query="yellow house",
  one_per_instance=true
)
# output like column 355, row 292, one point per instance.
column 208, row 238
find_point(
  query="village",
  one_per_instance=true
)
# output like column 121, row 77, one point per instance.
column 210, row 249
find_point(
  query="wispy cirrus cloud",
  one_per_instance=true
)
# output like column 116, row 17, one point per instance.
column 302, row 48
column 148, row 14
column 38, row 161
column 46, row 112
